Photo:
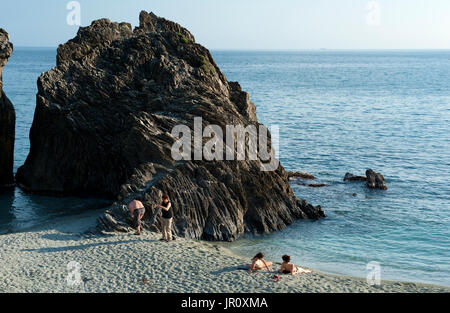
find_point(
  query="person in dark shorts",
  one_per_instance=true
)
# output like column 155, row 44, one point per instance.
column 167, row 218
column 137, row 210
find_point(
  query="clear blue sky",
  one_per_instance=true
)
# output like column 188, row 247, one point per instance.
column 250, row 24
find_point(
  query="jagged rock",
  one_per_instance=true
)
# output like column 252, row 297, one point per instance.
column 7, row 119
column 110, row 219
column 103, row 124
column 351, row 177
column 375, row 180
column 300, row 175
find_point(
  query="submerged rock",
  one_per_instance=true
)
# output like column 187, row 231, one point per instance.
column 317, row 185
column 7, row 119
column 103, row 124
column 300, row 175
column 310, row 185
column 375, row 180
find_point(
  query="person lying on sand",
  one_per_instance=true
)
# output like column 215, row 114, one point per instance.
column 137, row 210
column 258, row 263
column 288, row 268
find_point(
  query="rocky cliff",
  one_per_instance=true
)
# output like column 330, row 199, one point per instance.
column 103, row 125
column 7, row 118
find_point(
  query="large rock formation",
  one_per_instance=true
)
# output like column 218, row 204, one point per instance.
column 7, row 119
column 103, row 125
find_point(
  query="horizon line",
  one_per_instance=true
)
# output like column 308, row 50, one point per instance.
column 288, row 49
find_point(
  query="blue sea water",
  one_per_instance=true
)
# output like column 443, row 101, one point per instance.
column 338, row 112
column 347, row 111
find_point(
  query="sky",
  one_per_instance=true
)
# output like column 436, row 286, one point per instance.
column 249, row 24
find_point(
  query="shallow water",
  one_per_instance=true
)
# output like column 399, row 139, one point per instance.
column 337, row 112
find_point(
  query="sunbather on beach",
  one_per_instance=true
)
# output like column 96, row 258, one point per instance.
column 258, row 263
column 137, row 210
column 288, row 268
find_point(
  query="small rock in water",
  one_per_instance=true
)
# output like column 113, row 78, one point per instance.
column 375, row 180
column 355, row 194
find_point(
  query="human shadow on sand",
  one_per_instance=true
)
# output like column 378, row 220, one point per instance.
column 80, row 247
column 237, row 268
column 229, row 269
column 244, row 268
column 62, row 237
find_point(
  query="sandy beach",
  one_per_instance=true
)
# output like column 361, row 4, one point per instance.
column 36, row 261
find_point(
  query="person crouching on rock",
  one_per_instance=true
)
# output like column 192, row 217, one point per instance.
column 258, row 263
column 167, row 218
column 137, row 210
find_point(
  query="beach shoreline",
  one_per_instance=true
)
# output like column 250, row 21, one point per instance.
column 41, row 260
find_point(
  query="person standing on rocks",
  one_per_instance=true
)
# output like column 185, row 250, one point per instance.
column 137, row 210
column 167, row 218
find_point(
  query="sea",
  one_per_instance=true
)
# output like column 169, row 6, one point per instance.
column 337, row 112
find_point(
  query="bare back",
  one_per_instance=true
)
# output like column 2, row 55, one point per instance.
column 135, row 204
